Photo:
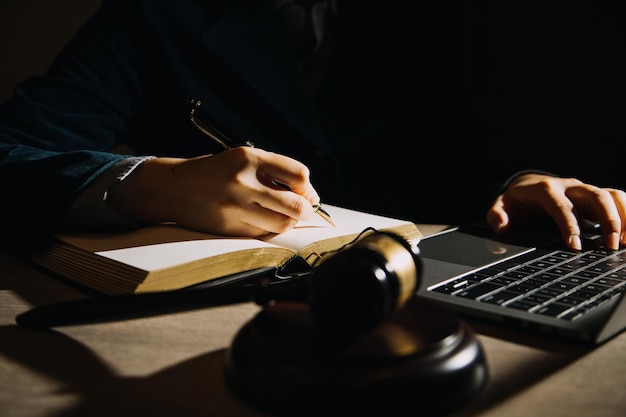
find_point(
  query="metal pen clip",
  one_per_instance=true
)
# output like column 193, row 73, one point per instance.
column 213, row 129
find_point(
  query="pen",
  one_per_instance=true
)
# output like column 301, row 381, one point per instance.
column 228, row 139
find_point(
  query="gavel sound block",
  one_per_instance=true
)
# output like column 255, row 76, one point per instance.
column 421, row 361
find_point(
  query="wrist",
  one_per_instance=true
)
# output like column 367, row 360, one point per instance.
column 145, row 194
column 521, row 175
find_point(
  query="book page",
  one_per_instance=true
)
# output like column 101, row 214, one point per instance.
column 160, row 246
column 167, row 245
column 348, row 224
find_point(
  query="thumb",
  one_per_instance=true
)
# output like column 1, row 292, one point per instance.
column 497, row 217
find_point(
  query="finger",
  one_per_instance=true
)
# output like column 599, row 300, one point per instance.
column 563, row 212
column 603, row 210
column 255, row 184
column 289, row 174
column 285, row 203
column 267, row 206
column 248, row 220
column 267, row 220
column 619, row 197
column 233, row 221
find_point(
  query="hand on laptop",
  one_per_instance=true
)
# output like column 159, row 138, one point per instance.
column 565, row 200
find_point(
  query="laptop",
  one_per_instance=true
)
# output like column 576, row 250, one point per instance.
column 527, row 280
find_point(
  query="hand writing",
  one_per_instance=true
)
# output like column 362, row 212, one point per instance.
column 230, row 193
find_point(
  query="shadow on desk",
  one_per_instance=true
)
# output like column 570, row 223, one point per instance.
column 167, row 366
column 194, row 387
column 518, row 361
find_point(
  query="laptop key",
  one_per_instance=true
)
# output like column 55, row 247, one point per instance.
column 504, row 280
column 528, row 302
column 522, row 304
column 585, row 273
column 499, row 297
column 595, row 288
column 447, row 289
column 478, row 290
column 563, row 255
column 552, row 309
column 536, row 298
column 521, row 288
column 571, row 300
column 550, row 292
column 608, row 281
column 576, row 280
column 561, row 286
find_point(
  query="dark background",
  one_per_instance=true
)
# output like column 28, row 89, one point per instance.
column 546, row 80
column 31, row 34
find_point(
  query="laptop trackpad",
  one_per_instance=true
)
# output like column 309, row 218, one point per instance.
column 452, row 253
column 435, row 271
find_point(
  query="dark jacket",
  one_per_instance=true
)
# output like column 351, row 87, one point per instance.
column 388, row 132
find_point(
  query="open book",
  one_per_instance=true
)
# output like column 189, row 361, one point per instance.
column 167, row 257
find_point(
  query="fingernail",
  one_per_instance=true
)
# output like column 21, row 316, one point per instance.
column 575, row 243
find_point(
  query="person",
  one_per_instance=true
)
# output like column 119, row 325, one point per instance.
column 368, row 113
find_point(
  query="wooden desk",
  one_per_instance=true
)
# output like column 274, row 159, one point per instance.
column 173, row 365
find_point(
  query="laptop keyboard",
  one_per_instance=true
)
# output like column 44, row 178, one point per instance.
column 560, row 284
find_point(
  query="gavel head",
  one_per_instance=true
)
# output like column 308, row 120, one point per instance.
column 358, row 287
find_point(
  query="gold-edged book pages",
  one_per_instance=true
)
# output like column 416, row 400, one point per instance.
column 166, row 257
